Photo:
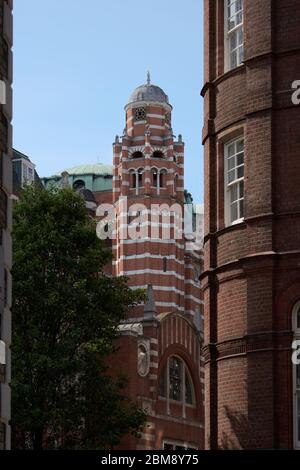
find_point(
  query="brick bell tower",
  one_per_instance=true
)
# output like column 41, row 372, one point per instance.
column 159, row 344
column 148, row 173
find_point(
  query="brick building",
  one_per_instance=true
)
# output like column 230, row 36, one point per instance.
column 251, row 278
column 160, row 342
column 5, row 217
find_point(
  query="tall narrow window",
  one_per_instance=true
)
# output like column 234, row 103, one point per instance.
column 132, row 179
column 234, row 181
column 154, row 178
column 140, row 178
column 234, row 33
column 296, row 378
column 162, row 178
column 175, row 371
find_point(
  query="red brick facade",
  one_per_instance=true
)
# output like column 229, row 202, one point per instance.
column 251, row 278
column 6, row 39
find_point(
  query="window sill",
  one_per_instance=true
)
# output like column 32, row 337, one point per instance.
column 229, row 73
column 235, row 222
column 175, row 402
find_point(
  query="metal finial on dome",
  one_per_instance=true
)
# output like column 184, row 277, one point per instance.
column 148, row 92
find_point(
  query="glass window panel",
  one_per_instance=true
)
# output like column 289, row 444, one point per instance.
column 233, row 41
column 234, row 212
column 231, row 24
column 233, row 59
column 239, row 18
column 188, row 390
column 241, row 203
column 240, row 36
column 240, row 158
column 240, row 172
column 240, row 146
column 241, row 55
column 235, row 13
column 231, row 176
column 231, row 150
column 231, row 163
column 175, row 371
column 234, row 193
column 241, row 185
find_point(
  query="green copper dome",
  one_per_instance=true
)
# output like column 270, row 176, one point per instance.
column 94, row 177
column 97, row 169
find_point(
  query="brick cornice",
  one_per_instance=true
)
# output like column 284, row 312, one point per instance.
column 241, row 263
column 221, row 78
column 248, row 344
column 230, row 228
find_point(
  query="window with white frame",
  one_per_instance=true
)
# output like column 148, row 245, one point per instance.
column 159, row 178
column 27, row 174
column 296, row 378
column 234, row 181
column 234, row 33
column 176, row 383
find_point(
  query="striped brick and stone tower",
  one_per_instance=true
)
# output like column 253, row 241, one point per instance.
column 251, row 276
column 160, row 342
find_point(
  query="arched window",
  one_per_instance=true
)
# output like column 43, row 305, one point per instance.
column 140, row 177
column 78, row 184
column 162, row 179
column 175, row 382
column 296, row 374
column 154, row 172
column 157, row 154
column 137, row 155
column 132, row 179
column 197, row 275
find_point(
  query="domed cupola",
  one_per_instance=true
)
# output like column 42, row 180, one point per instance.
column 148, row 92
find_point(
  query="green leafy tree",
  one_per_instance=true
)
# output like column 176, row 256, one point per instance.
column 66, row 312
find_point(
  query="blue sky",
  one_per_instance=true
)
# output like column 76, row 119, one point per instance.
column 76, row 63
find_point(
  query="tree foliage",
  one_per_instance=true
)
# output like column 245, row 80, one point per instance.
column 66, row 311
